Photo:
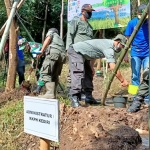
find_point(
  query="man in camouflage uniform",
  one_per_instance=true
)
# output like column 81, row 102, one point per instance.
column 53, row 48
column 142, row 93
column 80, row 30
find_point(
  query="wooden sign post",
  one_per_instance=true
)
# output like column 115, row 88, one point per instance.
column 41, row 118
column 44, row 144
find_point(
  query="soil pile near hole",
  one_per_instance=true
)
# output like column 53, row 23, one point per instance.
column 12, row 95
column 94, row 128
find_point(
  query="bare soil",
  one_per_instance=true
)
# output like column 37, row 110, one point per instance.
column 90, row 127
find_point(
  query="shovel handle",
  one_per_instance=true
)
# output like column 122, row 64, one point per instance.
column 29, row 78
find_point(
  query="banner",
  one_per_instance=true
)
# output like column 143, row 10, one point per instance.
column 107, row 14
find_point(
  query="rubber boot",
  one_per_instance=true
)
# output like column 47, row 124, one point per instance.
column 136, row 105
column 68, row 90
column 89, row 99
column 74, row 101
column 37, row 90
column 50, row 91
column 83, row 96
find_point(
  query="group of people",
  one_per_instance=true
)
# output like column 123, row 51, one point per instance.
column 47, row 58
column 82, row 51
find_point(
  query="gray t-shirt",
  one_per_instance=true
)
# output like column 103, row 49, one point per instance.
column 78, row 31
column 96, row 48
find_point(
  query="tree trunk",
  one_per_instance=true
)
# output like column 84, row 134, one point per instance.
column 45, row 19
column 3, row 27
column 61, row 19
column 116, row 9
column 11, row 75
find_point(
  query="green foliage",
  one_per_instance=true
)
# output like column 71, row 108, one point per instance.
column 3, row 15
column 109, row 3
column 33, row 12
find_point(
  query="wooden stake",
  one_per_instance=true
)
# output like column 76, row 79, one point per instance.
column 44, row 144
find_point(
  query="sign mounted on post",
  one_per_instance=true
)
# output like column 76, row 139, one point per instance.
column 41, row 117
column 107, row 14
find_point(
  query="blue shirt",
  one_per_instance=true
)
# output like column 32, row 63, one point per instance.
column 20, row 52
column 140, row 44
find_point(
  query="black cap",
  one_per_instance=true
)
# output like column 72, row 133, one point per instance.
column 87, row 7
column 141, row 8
column 54, row 30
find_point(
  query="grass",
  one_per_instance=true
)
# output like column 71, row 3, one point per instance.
column 11, row 124
column 108, row 23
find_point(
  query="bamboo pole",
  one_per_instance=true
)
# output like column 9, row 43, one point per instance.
column 124, row 51
column 6, row 31
column 26, row 30
column 18, row 7
column 61, row 19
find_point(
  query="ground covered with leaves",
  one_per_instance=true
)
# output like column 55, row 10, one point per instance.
column 87, row 127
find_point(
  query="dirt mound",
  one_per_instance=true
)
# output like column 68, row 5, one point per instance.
column 97, row 128
column 94, row 128
column 12, row 95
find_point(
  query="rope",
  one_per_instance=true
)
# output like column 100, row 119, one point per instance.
column 19, row 18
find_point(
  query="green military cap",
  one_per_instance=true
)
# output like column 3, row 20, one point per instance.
column 122, row 38
column 87, row 7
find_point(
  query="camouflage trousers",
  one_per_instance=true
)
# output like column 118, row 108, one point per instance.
column 144, row 86
column 51, row 69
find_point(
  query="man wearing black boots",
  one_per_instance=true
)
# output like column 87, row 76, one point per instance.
column 142, row 93
column 80, row 30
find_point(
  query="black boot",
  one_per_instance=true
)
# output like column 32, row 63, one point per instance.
column 37, row 90
column 136, row 105
column 74, row 101
column 83, row 96
column 89, row 99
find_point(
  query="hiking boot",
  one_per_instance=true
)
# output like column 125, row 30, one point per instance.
column 83, row 96
column 89, row 99
column 134, row 107
column 37, row 90
column 74, row 101
column 50, row 91
column 146, row 100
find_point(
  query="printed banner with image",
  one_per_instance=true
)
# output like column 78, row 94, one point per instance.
column 107, row 14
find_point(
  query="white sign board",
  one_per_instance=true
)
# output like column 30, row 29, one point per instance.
column 41, row 117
